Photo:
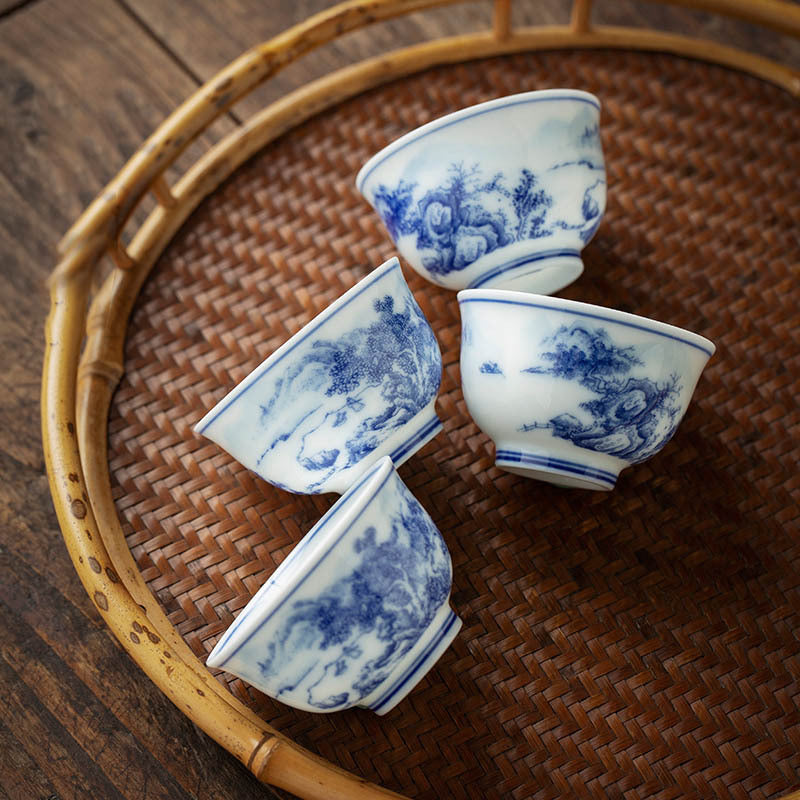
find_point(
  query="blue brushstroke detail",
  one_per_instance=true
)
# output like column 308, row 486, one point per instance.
column 396, row 352
column 549, row 462
column 545, row 256
column 490, row 368
column 590, row 135
column 580, row 162
column 632, row 418
column 419, row 662
column 331, row 517
column 470, row 215
column 396, row 586
column 571, row 312
column 427, row 431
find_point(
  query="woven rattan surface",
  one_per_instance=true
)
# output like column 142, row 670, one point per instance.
column 641, row 643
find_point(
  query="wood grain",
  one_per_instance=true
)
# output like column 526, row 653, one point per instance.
column 82, row 83
column 81, row 86
column 732, row 32
column 9, row 7
column 231, row 27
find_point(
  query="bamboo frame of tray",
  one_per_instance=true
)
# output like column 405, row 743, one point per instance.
column 85, row 335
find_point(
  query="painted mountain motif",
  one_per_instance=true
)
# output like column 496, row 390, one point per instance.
column 629, row 417
column 470, row 214
column 379, row 376
column 358, row 629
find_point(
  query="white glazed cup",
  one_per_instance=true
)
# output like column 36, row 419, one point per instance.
column 356, row 383
column 504, row 194
column 573, row 393
column 357, row 613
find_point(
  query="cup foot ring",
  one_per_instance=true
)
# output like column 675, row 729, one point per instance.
column 558, row 471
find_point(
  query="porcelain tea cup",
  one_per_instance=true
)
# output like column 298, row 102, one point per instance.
column 573, row 393
column 359, row 610
column 356, row 383
column 504, row 194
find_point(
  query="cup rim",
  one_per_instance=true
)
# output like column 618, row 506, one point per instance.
column 470, row 111
column 315, row 547
column 295, row 340
column 576, row 307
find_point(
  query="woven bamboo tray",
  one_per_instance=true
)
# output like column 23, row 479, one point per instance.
column 641, row 643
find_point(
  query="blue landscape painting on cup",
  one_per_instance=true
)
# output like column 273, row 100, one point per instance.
column 376, row 377
column 629, row 417
column 471, row 214
column 398, row 581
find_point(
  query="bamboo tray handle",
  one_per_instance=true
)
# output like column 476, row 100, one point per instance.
column 79, row 376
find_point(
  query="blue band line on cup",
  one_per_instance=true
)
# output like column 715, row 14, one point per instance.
column 575, row 313
column 518, row 457
column 478, row 112
column 323, row 523
column 413, row 441
column 518, row 262
column 302, row 336
column 420, row 660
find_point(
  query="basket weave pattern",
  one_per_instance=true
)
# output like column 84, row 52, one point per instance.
column 640, row 643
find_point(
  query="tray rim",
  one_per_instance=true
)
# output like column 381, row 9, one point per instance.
column 79, row 382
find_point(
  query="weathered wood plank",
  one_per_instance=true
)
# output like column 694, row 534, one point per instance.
column 124, row 762
column 20, row 775
column 8, row 7
column 63, row 762
column 701, row 24
column 207, row 36
column 81, row 86
column 66, row 641
column 82, row 83
column 31, row 533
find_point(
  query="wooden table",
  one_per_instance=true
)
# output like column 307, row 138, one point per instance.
column 83, row 82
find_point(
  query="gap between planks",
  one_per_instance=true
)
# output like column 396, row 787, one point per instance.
column 139, row 20
column 8, row 9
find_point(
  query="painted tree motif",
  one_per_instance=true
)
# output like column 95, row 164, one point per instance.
column 397, row 584
column 391, row 367
column 468, row 216
column 631, row 417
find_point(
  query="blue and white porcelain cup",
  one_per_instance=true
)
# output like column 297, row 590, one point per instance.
column 358, row 382
column 504, row 194
column 357, row 613
column 573, row 393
